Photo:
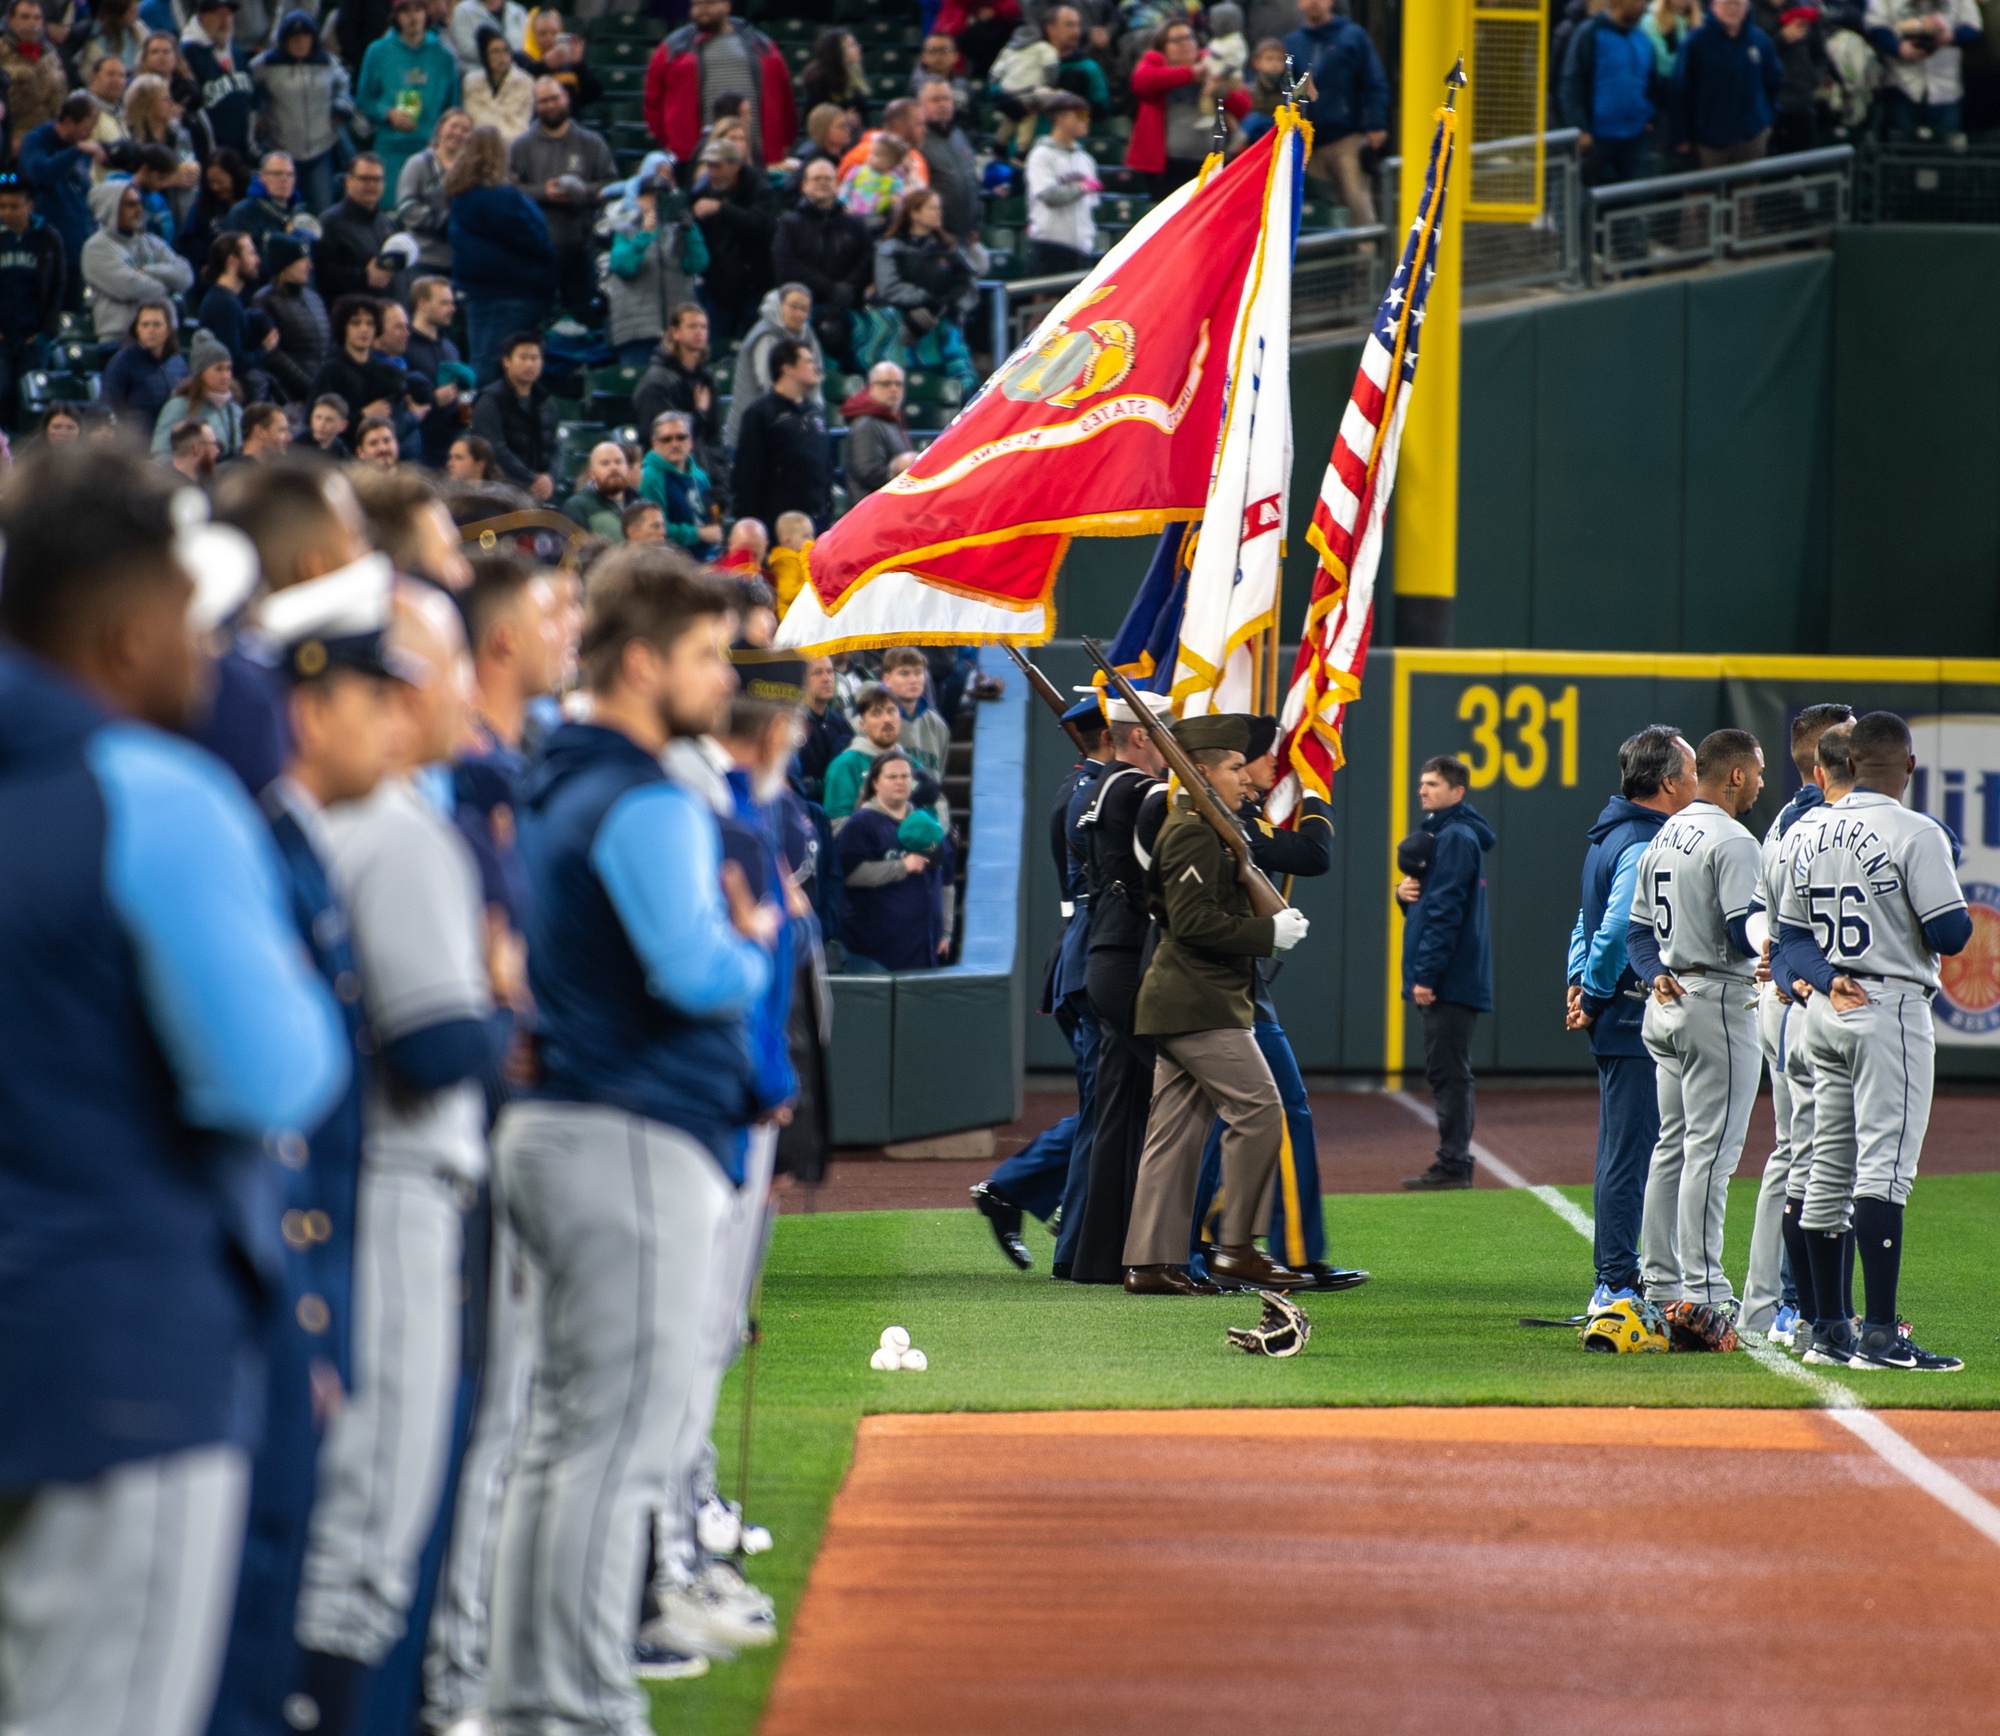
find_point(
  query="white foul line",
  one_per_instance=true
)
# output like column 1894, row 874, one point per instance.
column 1841, row 1404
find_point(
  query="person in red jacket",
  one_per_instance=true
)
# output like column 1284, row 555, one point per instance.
column 1176, row 86
column 709, row 58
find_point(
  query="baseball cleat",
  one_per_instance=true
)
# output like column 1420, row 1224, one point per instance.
column 1892, row 1347
column 1005, row 1218
column 1784, row 1326
column 724, row 1582
column 693, row 1618
column 1603, row 1296
column 1833, row 1344
column 1439, row 1178
column 651, row 1663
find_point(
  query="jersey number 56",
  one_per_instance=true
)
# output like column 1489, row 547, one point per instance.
column 1840, row 930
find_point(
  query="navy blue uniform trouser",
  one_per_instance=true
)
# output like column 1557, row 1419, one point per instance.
column 1054, row 1168
column 1298, row 1229
column 1628, row 1127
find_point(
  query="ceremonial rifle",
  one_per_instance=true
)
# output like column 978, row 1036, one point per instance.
column 1051, row 696
column 1264, row 898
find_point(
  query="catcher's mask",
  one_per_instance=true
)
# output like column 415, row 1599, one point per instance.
column 1628, row 1328
column 1284, row 1329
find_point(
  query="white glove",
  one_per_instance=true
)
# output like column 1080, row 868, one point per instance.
column 1291, row 926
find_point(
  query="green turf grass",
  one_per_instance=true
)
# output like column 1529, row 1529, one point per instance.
column 1453, row 1273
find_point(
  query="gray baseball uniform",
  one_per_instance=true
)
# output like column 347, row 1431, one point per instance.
column 1697, row 877
column 1763, row 1285
column 413, row 899
column 1867, row 878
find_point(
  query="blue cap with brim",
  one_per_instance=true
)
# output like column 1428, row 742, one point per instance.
column 1089, row 709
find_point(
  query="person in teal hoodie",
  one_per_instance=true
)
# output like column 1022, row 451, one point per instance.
column 408, row 78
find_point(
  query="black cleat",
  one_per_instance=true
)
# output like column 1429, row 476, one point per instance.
column 1325, row 1277
column 1439, row 1178
column 1892, row 1347
column 1005, row 1217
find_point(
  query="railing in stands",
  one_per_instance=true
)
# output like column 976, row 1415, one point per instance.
column 1544, row 254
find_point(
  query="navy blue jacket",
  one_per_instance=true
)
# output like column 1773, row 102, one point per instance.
column 1608, row 79
column 33, row 266
column 641, row 987
column 229, row 95
column 159, row 1021
column 1066, row 840
column 1725, row 88
column 1447, row 945
column 1347, row 72
column 1623, row 827
column 500, row 246
column 137, row 383
column 60, row 175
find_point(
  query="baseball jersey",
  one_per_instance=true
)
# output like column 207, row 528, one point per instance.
column 1865, row 874
column 1698, row 876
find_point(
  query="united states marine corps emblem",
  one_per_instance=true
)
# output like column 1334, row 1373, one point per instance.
column 1068, row 366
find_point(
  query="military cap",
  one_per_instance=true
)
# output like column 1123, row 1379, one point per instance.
column 1263, row 737
column 1225, row 730
column 1089, row 708
column 340, row 621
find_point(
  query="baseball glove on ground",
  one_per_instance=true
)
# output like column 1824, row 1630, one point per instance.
column 1696, row 1326
column 1283, row 1331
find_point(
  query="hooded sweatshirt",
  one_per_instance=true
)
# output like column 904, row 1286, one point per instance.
column 1447, row 945
column 124, row 270
column 422, row 81
column 875, row 434
column 228, row 92
column 753, row 362
column 301, row 99
column 33, row 267
column 1597, row 962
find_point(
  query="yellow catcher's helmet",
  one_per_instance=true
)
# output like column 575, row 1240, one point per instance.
column 1627, row 1327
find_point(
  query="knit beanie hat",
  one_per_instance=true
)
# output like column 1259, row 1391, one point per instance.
column 205, row 351
column 282, row 251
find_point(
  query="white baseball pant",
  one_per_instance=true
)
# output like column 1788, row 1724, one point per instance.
column 1872, row 1078
column 1763, row 1286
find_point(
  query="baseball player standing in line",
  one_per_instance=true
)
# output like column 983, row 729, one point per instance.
column 1655, row 781
column 160, row 1020
column 429, row 986
column 621, row 1170
column 1770, row 1301
column 1871, row 904
column 1696, row 883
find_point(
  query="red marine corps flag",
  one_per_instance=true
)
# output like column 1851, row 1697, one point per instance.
column 1105, row 422
column 1353, row 497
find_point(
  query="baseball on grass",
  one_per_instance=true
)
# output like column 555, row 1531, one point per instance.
column 886, row 1359
column 895, row 1338
column 915, row 1361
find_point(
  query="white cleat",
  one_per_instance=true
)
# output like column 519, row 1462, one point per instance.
column 693, row 1618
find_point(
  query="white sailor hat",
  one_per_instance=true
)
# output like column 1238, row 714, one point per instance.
column 339, row 621
column 1158, row 706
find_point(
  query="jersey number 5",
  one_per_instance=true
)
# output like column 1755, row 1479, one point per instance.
column 1840, row 931
column 1663, row 910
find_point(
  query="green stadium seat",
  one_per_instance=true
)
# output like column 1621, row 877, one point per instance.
column 887, row 86
column 622, row 107
column 619, row 51
column 611, row 391
column 40, row 388
column 923, row 388
column 625, row 27
column 1122, row 208
column 573, row 443
column 1010, row 210
column 72, row 356
column 624, row 79
column 894, row 58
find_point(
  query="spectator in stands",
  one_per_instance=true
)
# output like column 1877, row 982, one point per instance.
column 147, row 369
column 503, row 264
column 408, row 79
column 1609, row 78
column 1351, row 110
column 297, row 313
column 1063, row 186
column 36, row 81
column 125, row 263
column 737, row 230
column 657, row 258
column 1808, row 69
column 923, row 274
column 891, row 855
column 225, row 181
column 194, row 449
column 106, row 85
column 473, row 460
column 828, row 252
column 352, row 233
column 267, row 433
column 924, row 735
column 871, row 189
column 830, row 135
column 302, row 97
column 603, row 492
column 1177, row 86
column 710, row 58
column 273, row 206
column 786, row 562
column 61, row 425
column 877, row 723
column 375, row 443
column 470, row 17
column 1725, row 88
column 1666, row 25
column 678, row 377
column 422, row 207
column 979, row 29
column 500, row 93
column 1267, row 85
column 1033, row 68
column 876, row 428
column 827, row 731
column 671, row 476
column 835, row 74
column 228, row 94
column 553, row 53
column 352, row 371
column 939, row 59
column 432, row 308
column 518, row 417
column 1924, row 53
column 743, row 552
column 947, row 154
column 56, row 160
column 153, row 117
column 643, row 522
column 232, row 268
column 901, row 119
column 786, row 313
column 206, row 395
column 115, row 29
column 326, row 426
column 782, row 463
column 564, row 168
column 33, row 268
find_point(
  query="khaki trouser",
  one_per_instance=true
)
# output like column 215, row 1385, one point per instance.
column 1340, row 164
column 1197, row 1077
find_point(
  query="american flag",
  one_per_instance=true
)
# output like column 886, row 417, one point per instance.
column 1353, row 498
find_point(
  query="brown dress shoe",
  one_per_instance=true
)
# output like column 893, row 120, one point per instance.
column 1157, row 1281
column 1248, row 1264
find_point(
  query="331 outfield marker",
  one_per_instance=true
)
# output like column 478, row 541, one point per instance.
column 1840, row 1403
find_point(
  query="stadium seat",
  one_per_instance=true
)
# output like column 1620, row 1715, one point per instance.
column 40, row 389
column 629, row 77
column 573, row 443
column 611, row 391
column 624, row 27
column 619, row 51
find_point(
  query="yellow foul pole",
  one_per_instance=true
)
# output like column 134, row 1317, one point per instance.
column 1426, row 504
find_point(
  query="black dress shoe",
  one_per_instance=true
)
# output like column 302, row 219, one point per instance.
column 1325, row 1277
column 1005, row 1217
column 1439, row 1178
column 1249, row 1265
column 1159, row 1281
column 1059, row 1271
